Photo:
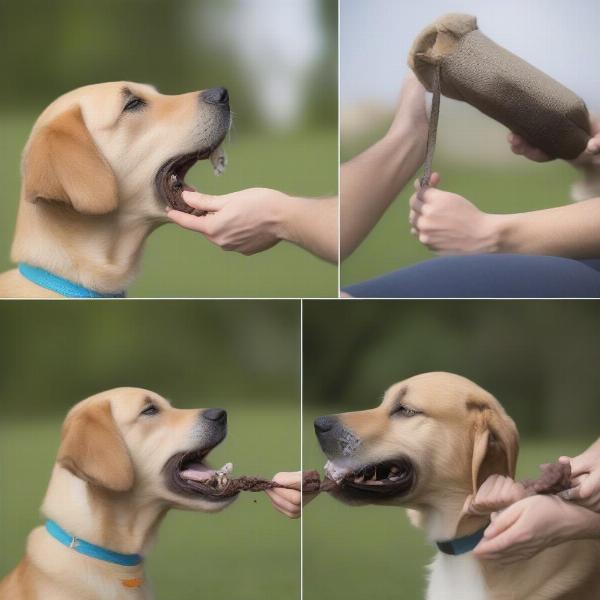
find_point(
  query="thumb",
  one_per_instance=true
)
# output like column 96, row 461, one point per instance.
column 203, row 201
column 290, row 479
column 435, row 179
column 503, row 521
column 593, row 146
column 468, row 505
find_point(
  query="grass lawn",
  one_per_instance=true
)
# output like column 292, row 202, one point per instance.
column 373, row 552
column 180, row 263
column 249, row 551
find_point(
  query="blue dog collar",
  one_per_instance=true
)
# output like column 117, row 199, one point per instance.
column 461, row 545
column 61, row 286
column 83, row 547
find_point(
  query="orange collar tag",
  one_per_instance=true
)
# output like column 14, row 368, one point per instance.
column 136, row 582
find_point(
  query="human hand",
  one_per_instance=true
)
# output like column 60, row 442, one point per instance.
column 449, row 224
column 289, row 501
column 520, row 146
column 585, row 474
column 532, row 525
column 247, row 221
column 496, row 493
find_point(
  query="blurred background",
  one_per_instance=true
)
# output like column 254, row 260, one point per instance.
column 279, row 61
column 540, row 359
column 239, row 355
column 472, row 155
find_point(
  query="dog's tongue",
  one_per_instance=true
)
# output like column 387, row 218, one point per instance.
column 197, row 472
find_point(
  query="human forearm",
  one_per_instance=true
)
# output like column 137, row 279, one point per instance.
column 571, row 231
column 311, row 224
column 372, row 180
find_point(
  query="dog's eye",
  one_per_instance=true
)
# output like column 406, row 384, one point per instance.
column 404, row 411
column 150, row 410
column 134, row 103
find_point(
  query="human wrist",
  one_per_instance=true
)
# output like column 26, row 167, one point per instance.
column 579, row 522
column 492, row 233
column 288, row 210
column 504, row 232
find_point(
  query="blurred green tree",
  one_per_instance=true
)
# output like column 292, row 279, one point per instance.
column 539, row 358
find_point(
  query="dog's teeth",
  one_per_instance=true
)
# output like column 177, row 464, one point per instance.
column 223, row 475
column 359, row 479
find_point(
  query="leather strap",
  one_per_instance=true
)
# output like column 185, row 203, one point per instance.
column 432, row 133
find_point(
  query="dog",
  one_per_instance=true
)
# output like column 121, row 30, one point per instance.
column 434, row 439
column 126, row 457
column 100, row 168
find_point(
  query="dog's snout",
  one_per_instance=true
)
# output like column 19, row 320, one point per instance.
column 216, row 415
column 217, row 95
column 334, row 438
column 324, row 424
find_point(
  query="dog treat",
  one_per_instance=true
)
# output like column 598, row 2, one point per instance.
column 221, row 484
column 554, row 478
column 453, row 56
column 326, row 485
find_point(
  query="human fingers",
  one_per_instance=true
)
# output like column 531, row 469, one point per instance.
column 503, row 522
column 520, row 146
column 586, row 492
column 202, row 224
column 283, row 505
column 593, row 145
column 289, row 478
column 413, row 219
column 416, row 203
column 204, row 201
column 292, row 496
column 434, row 181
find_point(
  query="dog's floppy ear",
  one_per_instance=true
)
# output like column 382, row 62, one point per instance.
column 93, row 449
column 63, row 164
column 495, row 444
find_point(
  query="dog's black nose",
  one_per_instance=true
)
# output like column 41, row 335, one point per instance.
column 218, row 95
column 324, row 424
column 217, row 415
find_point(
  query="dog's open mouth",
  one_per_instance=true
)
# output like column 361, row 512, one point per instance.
column 383, row 480
column 170, row 179
column 188, row 474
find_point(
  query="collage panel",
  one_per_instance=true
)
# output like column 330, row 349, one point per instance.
column 413, row 412
column 111, row 104
column 231, row 373
column 469, row 145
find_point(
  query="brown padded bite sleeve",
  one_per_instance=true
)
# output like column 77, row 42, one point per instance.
column 475, row 69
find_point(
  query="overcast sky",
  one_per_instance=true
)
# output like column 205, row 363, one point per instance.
column 561, row 37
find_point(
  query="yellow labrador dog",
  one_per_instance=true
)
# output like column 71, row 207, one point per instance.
column 126, row 457
column 100, row 167
column 430, row 444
